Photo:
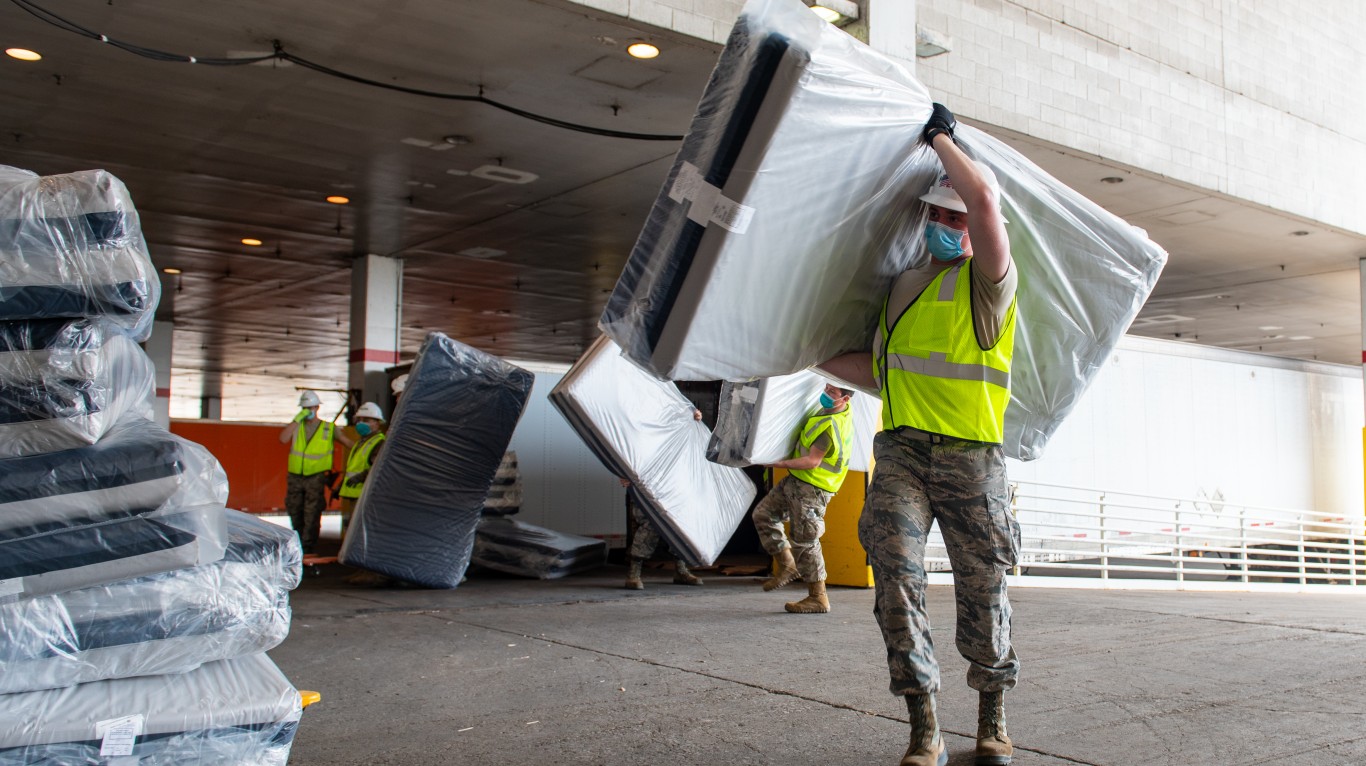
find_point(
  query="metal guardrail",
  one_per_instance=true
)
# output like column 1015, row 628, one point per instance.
column 1083, row 537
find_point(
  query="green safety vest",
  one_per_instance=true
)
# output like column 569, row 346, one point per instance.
column 834, row 466
column 933, row 374
column 315, row 456
column 357, row 461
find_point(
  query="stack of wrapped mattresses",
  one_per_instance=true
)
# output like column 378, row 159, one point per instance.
column 135, row 610
column 643, row 430
column 739, row 275
column 416, row 519
column 518, row 548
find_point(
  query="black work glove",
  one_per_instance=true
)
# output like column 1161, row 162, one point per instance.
column 941, row 121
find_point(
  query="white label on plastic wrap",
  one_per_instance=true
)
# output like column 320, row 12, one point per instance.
column 732, row 216
column 685, row 183
column 11, row 587
column 118, row 735
column 749, row 394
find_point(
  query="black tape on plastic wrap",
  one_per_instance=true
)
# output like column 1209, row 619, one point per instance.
column 417, row 514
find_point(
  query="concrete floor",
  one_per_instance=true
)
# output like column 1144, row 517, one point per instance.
column 579, row 671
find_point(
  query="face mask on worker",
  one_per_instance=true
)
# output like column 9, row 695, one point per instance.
column 309, row 415
column 826, row 401
column 945, row 244
column 363, row 429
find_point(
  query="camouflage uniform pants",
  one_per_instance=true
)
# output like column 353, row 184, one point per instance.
column 962, row 485
column 305, row 499
column 646, row 538
column 803, row 506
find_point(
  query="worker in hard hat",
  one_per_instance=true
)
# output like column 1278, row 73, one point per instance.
column 942, row 361
column 369, row 422
column 310, row 459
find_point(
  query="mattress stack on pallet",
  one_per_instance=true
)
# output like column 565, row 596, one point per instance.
column 428, row 488
column 134, row 609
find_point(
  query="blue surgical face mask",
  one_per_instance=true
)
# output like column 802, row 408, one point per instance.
column 826, row 401
column 309, row 415
column 945, row 244
column 363, row 429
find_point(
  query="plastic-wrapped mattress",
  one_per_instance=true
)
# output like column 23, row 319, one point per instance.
column 71, row 246
column 416, row 518
column 169, row 622
column 758, row 422
column 642, row 429
column 240, row 712
column 64, row 383
column 518, row 548
column 139, row 501
column 693, row 301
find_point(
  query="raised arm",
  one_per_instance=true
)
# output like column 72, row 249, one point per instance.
column 986, row 229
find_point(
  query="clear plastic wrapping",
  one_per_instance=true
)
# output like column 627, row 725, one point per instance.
column 169, row 622
column 416, row 516
column 758, row 422
column 242, row 712
column 695, row 302
column 64, row 383
column 642, row 429
column 517, row 548
column 139, row 501
column 71, row 246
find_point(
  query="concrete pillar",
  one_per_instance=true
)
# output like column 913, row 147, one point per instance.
column 1361, row 265
column 211, row 408
column 376, row 316
column 158, row 347
column 890, row 28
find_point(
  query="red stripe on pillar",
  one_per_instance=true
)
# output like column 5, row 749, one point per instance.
column 1363, row 357
column 373, row 355
column 163, row 393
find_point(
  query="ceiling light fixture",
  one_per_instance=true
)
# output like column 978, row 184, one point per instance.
column 23, row 54
column 456, row 140
column 1300, row 233
column 1112, row 180
column 171, row 271
column 338, row 199
column 837, row 12
column 642, row 50
column 251, row 241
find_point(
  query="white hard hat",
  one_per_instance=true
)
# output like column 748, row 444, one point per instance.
column 370, row 410
column 309, row 399
column 944, row 195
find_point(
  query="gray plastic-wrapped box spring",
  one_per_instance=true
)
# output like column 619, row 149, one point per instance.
column 642, row 429
column 788, row 86
column 515, row 547
column 169, row 622
column 71, row 246
column 416, row 517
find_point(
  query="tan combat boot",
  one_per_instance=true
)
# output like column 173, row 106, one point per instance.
column 993, row 746
column 927, row 748
column 633, row 574
column 815, row 602
column 682, row 576
column 787, row 571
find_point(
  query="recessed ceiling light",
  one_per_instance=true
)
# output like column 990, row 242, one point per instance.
column 455, row 140
column 826, row 14
column 338, row 199
column 1270, row 327
column 169, row 270
column 1301, row 337
column 23, row 54
column 1112, row 180
column 251, row 241
column 642, row 50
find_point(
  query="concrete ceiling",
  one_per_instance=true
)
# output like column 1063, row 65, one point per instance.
column 215, row 154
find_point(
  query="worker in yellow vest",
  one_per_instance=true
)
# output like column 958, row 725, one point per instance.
column 310, row 458
column 369, row 420
column 942, row 361
column 816, row 471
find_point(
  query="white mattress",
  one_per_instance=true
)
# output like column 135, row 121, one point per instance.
column 643, row 431
column 699, row 297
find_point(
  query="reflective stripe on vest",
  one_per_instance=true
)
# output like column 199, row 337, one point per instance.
column 315, row 456
column 358, row 461
column 933, row 374
column 834, row 465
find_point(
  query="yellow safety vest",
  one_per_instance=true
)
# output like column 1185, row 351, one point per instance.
column 834, row 466
column 933, row 374
column 358, row 461
column 315, row 456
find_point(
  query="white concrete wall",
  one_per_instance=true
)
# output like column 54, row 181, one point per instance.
column 704, row 19
column 1177, row 420
column 1261, row 100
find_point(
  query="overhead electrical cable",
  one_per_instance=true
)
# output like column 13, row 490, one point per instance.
column 280, row 54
